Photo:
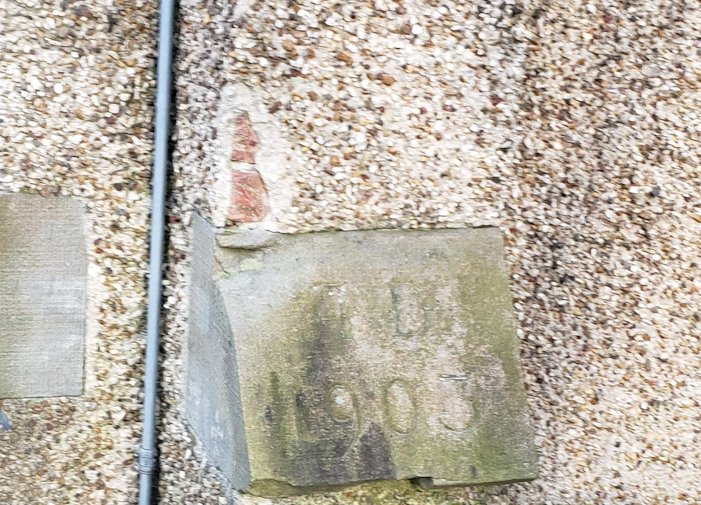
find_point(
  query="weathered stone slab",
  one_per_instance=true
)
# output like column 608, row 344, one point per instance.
column 43, row 273
column 327, row 359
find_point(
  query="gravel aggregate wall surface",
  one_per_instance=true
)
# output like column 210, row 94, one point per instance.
column 76, row 81
column 573, row 126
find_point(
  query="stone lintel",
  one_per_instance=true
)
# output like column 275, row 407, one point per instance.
column 358, row 356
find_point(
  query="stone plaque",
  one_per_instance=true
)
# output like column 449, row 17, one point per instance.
column 358, row 356
column 43, row 272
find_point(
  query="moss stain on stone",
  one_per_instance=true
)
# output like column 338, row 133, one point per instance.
column 276, row 414
column 250, row 264
column 321, row 448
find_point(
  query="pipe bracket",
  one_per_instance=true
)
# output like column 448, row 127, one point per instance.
column 147, row 460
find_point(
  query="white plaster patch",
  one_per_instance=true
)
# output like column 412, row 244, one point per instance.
column 272, row 155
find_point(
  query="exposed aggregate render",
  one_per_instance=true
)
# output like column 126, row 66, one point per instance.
column 76, row 81
column 573, row 126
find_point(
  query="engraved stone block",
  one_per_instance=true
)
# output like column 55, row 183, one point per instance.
column 326, row 359
column 43, row 273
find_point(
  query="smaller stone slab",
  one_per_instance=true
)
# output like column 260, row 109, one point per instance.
column 322, row 360
column 43, row 274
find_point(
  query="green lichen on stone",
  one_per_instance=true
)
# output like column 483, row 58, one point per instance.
column 382, row 493
column 250, row 264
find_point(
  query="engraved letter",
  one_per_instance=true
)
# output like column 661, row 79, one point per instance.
column 341, row 404
column 400, row 407
column 455, row 393
column 331, row 311
column 409, row 312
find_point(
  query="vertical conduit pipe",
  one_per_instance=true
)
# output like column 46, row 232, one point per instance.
column 159, row 178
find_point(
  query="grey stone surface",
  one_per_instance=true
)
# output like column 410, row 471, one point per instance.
column 43, row 273
column 326, row 359
column 213, row 392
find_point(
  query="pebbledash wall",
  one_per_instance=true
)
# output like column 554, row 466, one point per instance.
column 573, row 126
column 76, row 81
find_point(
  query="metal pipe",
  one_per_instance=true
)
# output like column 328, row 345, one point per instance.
column 147, row 451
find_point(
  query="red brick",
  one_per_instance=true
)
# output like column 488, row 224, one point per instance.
column 245, row 140
column 249, row 199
